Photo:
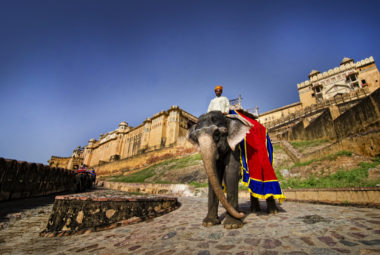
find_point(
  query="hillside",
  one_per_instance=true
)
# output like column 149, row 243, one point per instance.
column 188, row 169
column 342, row 169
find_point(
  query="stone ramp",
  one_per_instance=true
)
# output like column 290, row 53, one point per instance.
column 291, row 151
column 298, row 228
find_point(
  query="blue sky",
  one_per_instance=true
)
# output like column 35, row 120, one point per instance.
column 70, row 70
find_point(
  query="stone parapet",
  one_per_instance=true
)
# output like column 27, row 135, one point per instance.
column 19, row 179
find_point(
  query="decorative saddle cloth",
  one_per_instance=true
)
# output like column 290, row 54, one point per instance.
column 256, row 156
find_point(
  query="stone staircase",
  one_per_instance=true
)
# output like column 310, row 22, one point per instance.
column 291, row 151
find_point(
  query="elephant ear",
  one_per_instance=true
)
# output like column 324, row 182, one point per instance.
column 238, row 127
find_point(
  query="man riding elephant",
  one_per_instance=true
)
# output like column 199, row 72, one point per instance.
column 219, row 135
column 219, row 103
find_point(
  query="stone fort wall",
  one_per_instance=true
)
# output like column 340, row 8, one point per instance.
column 361, row 123
column 19, row 179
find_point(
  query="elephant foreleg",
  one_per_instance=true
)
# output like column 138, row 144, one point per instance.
column 232, row 177
column 213, row 204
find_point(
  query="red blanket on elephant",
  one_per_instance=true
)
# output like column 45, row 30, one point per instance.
column 256, row 159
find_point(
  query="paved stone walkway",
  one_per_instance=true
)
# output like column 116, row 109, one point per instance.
column 298, row 228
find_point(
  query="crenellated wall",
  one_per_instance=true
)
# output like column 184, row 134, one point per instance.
column 20, row 179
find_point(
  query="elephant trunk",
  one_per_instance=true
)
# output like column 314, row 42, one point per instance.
column 208, row 151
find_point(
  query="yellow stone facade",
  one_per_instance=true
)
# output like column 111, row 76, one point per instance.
column 346, row 78
column 162, row 130
column 72, row 162
column 339, row 80
column 279, row 112
column 60, row 162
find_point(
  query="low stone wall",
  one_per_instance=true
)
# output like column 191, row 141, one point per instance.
column 82, row 213
column 19, row 179
column 369, row 197
column 151, row 188
column 346, row 196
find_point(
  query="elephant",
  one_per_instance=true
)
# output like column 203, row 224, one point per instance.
column 217, row 136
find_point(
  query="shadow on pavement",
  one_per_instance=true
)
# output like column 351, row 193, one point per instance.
column 16, row 206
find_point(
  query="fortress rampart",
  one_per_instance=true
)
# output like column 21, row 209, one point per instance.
column 342, row 103
column 20, row 179
column 357, row 129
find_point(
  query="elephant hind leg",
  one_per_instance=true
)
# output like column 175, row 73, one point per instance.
column 271, row 206
column 255, row 204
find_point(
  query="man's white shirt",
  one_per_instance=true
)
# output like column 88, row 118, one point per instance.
column 219, row 104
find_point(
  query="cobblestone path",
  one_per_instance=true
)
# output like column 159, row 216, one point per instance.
column 298, row 228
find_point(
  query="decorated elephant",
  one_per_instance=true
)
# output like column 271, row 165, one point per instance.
column 217, row 137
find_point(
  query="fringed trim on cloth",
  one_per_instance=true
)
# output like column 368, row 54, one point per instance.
column 263, row 189
column 259, row 188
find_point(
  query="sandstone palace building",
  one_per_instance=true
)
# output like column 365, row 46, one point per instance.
column 346, row 80
column 165, row 129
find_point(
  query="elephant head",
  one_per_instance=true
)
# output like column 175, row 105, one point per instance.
column 217, row 135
